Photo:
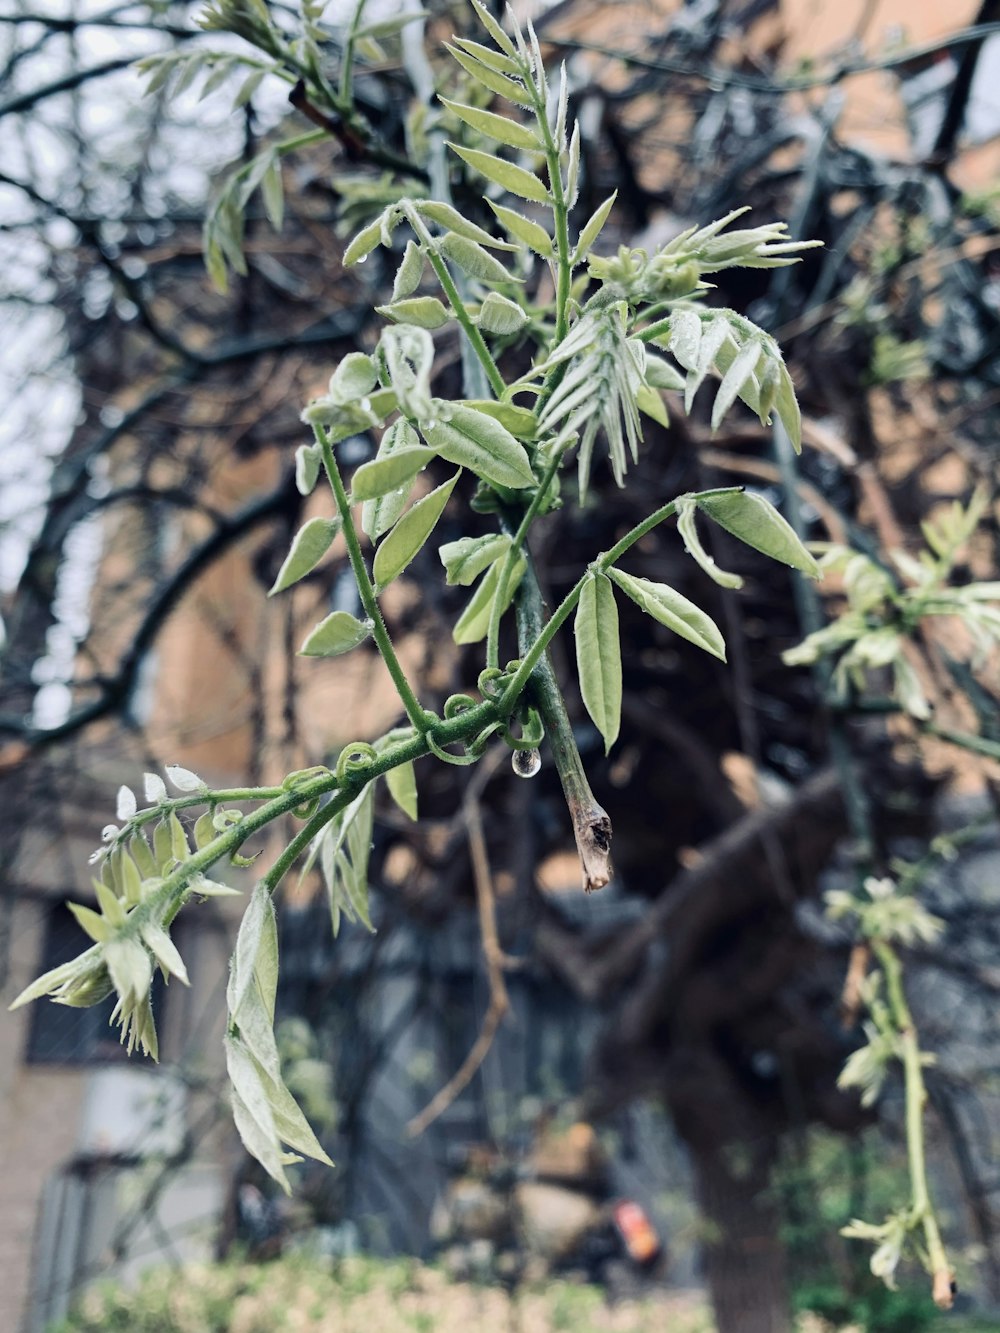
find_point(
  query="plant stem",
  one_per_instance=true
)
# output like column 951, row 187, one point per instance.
column 346, row 94
column 169, row 896
column 510, row 559
column 560, row 218
column 604, row 562
column 591, row 825
column 916, row 1099
column 369, row 601
column 478, row 344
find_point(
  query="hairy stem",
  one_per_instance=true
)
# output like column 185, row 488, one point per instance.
column 916, row 1100
column 448, row 286
column 366, row 590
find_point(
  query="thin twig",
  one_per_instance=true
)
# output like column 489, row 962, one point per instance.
column 496, row 960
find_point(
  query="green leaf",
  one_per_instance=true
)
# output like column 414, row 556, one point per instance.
column 534, row 236
column 402, row 784
column 338, row 633
column 383, row 475
column 426, row 312
column 474, row 440
column 592, row 228
column 409, row 273
column 494, row 29
column 518, row 420
column 473, row 259
column 363, row 244
column 464, row 560
column 164, row 951
column 378, row 516
column 273, row 193
column 736, row 379
column 787, row 407
column 512, row 178
column 494, row 60
column 489, row 78
column 452, row 220
column 686, row 526
column 501, row 316
column 649, row 401
column 500, row 128
column 473, row 624
column 252, row 1114
column 670, row 608
column 598, row 656
column 354, row 378
column 309, row 546
column 409, row 534
column 99, row 928
column 390, row 27
column 660, row 374
column 756, row 522
column 308, row 461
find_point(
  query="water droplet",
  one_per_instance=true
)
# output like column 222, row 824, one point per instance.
column 363, row 259
column 365, row 404
column 526, row 763
column 431, row 425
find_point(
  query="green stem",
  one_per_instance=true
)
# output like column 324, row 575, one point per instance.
column 169, row 896
column 347, row 57
column 510, row 559
column 604, row 562
column 560, row 218
column 977, row 744
column 476, row 340
column 916, row 1099
column 591, row 825
column 369, row 601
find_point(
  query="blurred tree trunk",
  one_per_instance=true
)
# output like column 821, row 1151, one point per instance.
column 742, row 1252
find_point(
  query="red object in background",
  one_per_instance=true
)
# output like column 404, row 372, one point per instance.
column 637, row 1231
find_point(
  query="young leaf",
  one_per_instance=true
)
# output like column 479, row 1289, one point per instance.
column 474, row 440
column 598, row 656
column 496, row 127
column 518, row 420
column 383, row 475
column 494, row 29
column 649, row 402
column 402, row 784
column 471, row 258
column 426, row 312
column 686, row 526
column 495, row 60
column 338, row 633
column 756, row 522
column 363, row 244
column 310, row 545
column 308, row 461
column 378, row 516
column 534, row 236
column 409, row 534
column 670, row 608
column 592, row 228
column 499, row 315
column 474, row 622
column 465, row 559
column 452, row 220
column 512, row 178
column 409, row 273
column 735, row 379
column 490, row 78
column 273, row 193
